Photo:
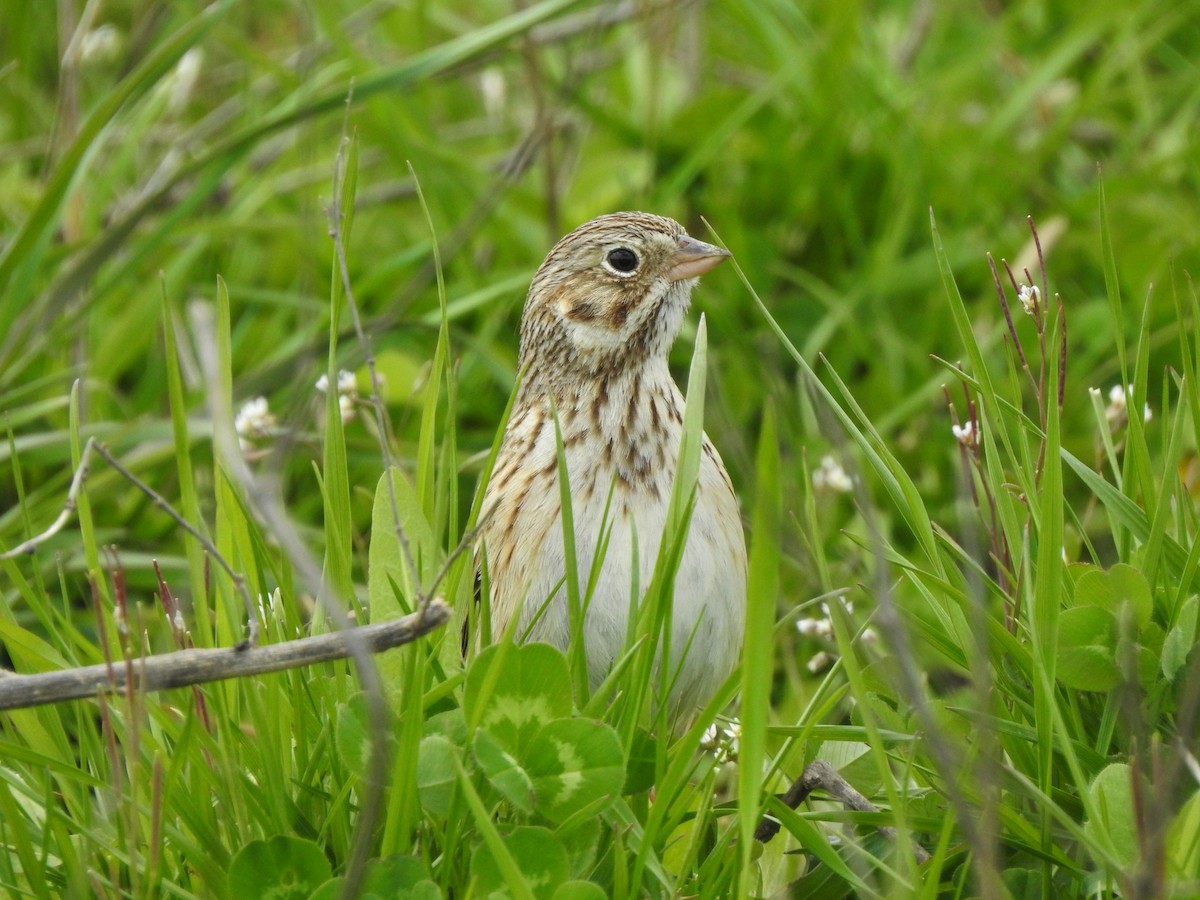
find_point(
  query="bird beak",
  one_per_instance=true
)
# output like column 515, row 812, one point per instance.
column 694, row 258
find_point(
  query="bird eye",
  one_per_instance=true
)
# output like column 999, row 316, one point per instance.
column 622, row 260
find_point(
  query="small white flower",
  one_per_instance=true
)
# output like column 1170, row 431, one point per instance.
column 1030, row 297
column 347, row 382
column 820, row 662
column 733, row 734
column 814, row 628
column 177, row 622
column 254, row 420
column 830, row 476
column 1117, row 410
column 722, row 743
column 869, row 636
column 323, row 383
column 346, row 407
column 966, row 435
column 1117, row 407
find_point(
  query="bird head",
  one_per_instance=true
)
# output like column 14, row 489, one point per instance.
column 612, row 294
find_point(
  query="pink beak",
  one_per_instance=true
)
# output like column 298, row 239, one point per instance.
column 694, row 258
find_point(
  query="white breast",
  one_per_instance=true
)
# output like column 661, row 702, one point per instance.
column 708, row 612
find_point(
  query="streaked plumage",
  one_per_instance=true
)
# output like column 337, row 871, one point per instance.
column 601, row 315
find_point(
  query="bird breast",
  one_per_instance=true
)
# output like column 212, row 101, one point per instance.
column 621, row 441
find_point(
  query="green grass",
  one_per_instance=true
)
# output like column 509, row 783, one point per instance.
column 1008, row 634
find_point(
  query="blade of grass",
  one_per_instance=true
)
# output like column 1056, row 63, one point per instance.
column 758, row 653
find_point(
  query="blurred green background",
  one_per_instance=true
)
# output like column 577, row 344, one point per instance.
column 815, row 137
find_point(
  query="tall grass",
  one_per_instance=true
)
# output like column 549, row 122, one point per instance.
column 998, row 628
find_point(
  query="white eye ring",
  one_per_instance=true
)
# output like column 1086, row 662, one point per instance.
column 623, row 262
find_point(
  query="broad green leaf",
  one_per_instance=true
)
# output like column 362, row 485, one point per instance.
column 1022, row 884
column 387, row 569
column 1087, row 648
column 537, row 852
column 579, row 890
column 450, row 725
column 1180, row 639
column 506, row 774
column 436, row 773
column 513, row 690
column 574, row 763
column 581, row 844
column 1116, row 827
column 400, row 374
column 351, row 735
column 386, row 562
column 1120, row 585
column 393, row 878
column 1150, row 641
column 281, row 868
column 1183, row 842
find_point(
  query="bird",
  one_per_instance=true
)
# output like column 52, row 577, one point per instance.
column 601, row 314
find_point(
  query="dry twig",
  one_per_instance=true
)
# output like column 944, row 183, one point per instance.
column 183, row 668
column 820, row 775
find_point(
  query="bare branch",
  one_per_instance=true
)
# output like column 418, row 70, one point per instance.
column 819, row 775
column 81, row 474
column 183, row 668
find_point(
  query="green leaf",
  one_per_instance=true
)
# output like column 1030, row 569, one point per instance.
column 1116, row 826
column 537, row 852
column 387, row 569
column 513, row 690
column 400, row 372
column 1183, row 842
column 449, row 724
column 1022, row 884
column 386, row 563
column 1129, row 515
column 581, row 844
column 1180, row 639
column 579, row 890
column 436, row 773
column 351, row 734
column 574, row 763
column 1087, row 648
column 758, row 659
column 393, row 878
column 504, row 771
column 279, row 869
column 1120, row 585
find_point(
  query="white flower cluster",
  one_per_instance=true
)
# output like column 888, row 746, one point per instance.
column 1116, row 412
column 347, row 391
column 254, row 421
column 966, row 435
column 830, row 476
column 1031, row 299
column 722, row 743
column 821, row 629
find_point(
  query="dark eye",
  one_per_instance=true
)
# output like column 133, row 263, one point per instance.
column 622, row 260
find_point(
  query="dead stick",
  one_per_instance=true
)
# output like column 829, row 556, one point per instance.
column 187, row 667
column 820, row 775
